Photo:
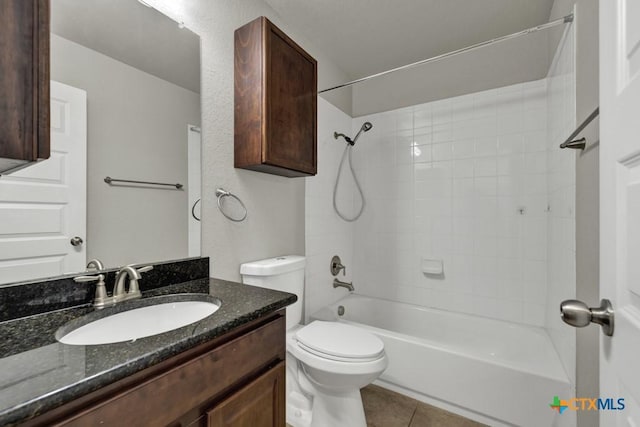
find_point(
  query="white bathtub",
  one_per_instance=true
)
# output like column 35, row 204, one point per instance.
column 492, row 371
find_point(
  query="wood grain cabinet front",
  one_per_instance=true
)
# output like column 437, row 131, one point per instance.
column 24, row 82
column 275, row 102
column 259, row 404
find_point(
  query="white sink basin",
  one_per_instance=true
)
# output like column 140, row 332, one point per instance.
column 140, row 322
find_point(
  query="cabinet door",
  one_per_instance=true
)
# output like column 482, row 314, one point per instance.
column 259, row 404
column 24, row 82
column 275, row 102
column 291, row 103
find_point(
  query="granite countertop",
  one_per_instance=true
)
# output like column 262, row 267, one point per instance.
column 38, row 373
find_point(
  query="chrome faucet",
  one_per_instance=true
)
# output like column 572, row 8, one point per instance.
column 339, row 284
column 133, row 291
column 102, row 299
column 95, row 264
column 119, row 292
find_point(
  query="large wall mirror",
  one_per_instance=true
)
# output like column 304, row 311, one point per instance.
column 125, row 104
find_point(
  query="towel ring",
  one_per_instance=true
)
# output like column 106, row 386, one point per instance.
column 220, row 193
column 193, row 210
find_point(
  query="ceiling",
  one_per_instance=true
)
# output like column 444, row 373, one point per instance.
column 132, row 33
column 364, row 37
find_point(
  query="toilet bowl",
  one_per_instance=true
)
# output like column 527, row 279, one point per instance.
column 327, row 362
column 334, row 362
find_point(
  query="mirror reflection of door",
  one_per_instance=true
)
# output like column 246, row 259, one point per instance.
column 140, row 73
column 194, row 206
column 43, row 207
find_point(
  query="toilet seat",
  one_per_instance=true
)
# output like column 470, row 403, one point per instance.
column 339, row 342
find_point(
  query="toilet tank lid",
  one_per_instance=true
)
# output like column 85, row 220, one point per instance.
column 273, row 266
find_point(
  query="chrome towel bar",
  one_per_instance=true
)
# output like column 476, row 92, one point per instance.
column 110, row 181
column 580, row 144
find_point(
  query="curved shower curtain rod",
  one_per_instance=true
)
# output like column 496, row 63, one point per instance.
column 551, row 24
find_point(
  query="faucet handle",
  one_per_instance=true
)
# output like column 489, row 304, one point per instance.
column 80, row 279
column 141, row 269
column 101, row 290
column 145, row 268
column 336, row 266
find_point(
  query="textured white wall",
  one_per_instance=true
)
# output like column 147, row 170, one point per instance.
column 136, row 129
column 326, row 234
column 275, row 224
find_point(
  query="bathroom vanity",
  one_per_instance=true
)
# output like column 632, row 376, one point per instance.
column 225, row 370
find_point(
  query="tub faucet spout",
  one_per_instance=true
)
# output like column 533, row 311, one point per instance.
column 339, row 284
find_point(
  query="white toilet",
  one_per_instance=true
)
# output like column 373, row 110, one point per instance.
column 327, row 362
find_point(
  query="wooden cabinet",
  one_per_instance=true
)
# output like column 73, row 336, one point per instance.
column 235, row 380
column 24, row 82
column 259, row 404
column 275, row 102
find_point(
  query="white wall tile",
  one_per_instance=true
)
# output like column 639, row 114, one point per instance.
column 486, row 186
column 447, row 180
column 441, row 151
column 486, row 166
column 463, row 168
column 485, row 146
column 441, row 112
column 511, row 144
column 326, row 234
column 464, row 149
column 442, row 132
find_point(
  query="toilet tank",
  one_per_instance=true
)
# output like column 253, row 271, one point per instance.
column 283, row 273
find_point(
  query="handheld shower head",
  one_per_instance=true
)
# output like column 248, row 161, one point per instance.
column 366, row 127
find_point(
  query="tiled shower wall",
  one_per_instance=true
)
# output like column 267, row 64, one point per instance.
column 462, row 181
column 561, row 177
column 325, row 233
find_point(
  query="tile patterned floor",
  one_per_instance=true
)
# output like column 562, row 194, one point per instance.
column 385, row 408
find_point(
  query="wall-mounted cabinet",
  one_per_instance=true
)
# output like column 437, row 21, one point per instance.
column 275, row 102
column 24, row 82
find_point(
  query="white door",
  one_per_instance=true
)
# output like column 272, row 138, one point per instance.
column 620, row 206
column 43, row 206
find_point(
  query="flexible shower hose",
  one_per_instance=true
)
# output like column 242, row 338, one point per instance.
column 355, row 178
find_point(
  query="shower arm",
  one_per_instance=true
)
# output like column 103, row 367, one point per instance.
column 351, row 142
